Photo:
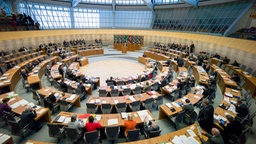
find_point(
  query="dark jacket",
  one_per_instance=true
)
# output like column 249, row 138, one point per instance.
column 205, row 118
column 213, row 139
column 27, row 117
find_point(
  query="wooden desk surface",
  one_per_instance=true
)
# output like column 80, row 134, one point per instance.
column 38, row 71
column 73, row 84
column 5, row 139
column 114, row 100
column 48, row 90
column 156, row 56
column 36, row 142
column 104, row 118
column 170, row 136
column 12, row 76
column 201, row 75
column 55, row 72
column 165, row 111
column 88, row 52
column 19, row 104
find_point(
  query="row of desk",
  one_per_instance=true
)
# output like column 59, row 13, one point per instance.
column 11, row 77
column 89, row 52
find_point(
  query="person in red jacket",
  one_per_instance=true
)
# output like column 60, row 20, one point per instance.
column 91, row 125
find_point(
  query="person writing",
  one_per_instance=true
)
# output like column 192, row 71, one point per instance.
column 151, row 127
column 129, row 124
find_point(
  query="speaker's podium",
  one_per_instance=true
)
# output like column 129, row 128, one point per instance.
column 124, row 48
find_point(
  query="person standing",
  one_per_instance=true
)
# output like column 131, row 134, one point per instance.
column 205, row 117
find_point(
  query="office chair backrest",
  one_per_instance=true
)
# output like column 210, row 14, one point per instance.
column 133, row 135
column 127, row 91
column 159, row 100
column 112, row 132
column 53, row 129
column 135, row 105
column 137, row 90
column 106, row 108
column 91, row 137
column 114, row 92
column 16, row 129
column 91, row 108
column 120, row 83
column 154, row 133
column 110, row 83
column 102, row 93
column 72, row 133
column 121, row 107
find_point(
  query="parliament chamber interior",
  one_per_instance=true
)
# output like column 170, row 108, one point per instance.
column 127, row 71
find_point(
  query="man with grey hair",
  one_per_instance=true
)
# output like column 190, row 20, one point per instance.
column 205, row 116
column 214, row 138
column 78, row 125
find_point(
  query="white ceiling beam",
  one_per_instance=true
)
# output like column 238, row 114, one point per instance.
column 75, row 2
column 149, row 4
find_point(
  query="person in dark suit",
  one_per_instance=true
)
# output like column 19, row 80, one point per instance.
column 241, row 109
column 82, row 88
column 214, row 138
column 63, row 86
column 52, row 98
column 2, row 53
column 234, row 127
column 205, row 116
column 24, row 74
column 208, row 90
column 217, row 56
column 29, row 66
column 70, row 75
column 236, row 78
column 180, row 61
column 181, row 83
column 235, row 63
column 164, row 81
column 48, row 70
column 225, row 60
column 60, row 69
column 27, row 118
column 111, row 80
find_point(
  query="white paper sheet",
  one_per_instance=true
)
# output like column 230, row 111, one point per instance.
column 112, row 121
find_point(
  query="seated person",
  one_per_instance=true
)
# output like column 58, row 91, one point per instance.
column 142, row 79
column 191, row 58
column 241, row 109
column 27, row 118
column 217, row 56
column 236, row 78
column 91, row 125
column 70, row 75
column 214, row 138
column 2, row 53
column 225, row 60
column 48, row 70
column 24, row 74
column 235, row 63
column 151, row 127
column 4, row 106
column 52, row 98
column 129, row 124
column 78, row 125
column 200, row 60
column 187, row 106
column 60, row 69
column 111, row 80
column 208, row 90
column 164, row 81
column 214, row 74
column 63, row 86
column 81, row 87
column 233, row 127
column 147, row 87
column 180, row 61
column 180, row 83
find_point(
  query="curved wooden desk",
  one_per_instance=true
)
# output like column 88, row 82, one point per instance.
column 200, row 75
column 224, row 78
column 123, row 99
column 156, row 56
column 38, row 72
column 90, row 52
column 12, row 76
column 19, row 105
column 68, row 97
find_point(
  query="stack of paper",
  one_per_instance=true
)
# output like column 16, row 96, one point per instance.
column 15, row 105
column 61, row 119
column 124, row 115
column 112, row 121
column 23, row 102
column 175, row 104
column 144, row 115
column 115, row 101
column 169, row 105
column 132, row 98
